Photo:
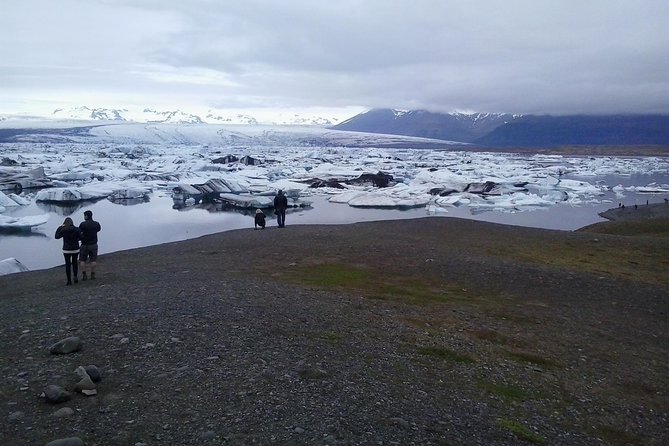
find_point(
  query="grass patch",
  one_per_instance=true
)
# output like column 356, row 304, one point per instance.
column 656, row 227
column 372, row 283
column 520, row 431
column 506, row 392
column 643, row 259
column 335, row 275
column 614, row 436
column 446, row 354
column 531, row 358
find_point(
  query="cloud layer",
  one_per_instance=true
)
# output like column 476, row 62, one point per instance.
column 515, row 56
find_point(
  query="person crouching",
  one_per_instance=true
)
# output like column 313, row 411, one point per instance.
column 259, row 219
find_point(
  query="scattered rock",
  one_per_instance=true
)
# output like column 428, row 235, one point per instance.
column 85, row 384
column 94, row 373
column 208, row 435
column 90, row 392
column 65, row 346
column 56, row 394
column 400, row 422
column 63, row 412
column 15, row 416
column 70, row 441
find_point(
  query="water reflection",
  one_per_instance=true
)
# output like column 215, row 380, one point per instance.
column 22, row 232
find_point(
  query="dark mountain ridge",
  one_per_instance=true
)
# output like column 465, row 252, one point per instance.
column 506, row 130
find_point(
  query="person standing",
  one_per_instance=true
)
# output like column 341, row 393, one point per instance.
column 280, row 206
column 89, row 244
column 70, row 235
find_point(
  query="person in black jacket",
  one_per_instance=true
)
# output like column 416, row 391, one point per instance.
column 259, row 219
column 89, row 244
column 280, row 206
column 70, row 235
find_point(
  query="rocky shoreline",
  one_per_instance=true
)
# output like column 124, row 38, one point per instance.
column 426, row 331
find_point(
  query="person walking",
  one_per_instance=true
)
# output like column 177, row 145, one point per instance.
column 280, row 206
column 89, row 244
column 70, row 235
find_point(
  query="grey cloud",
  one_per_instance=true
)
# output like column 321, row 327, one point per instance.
column 517, row 56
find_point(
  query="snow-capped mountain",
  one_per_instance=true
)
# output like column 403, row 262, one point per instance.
column 86, row 113
column 507, row 130
column 153, row 116
column 450, row 126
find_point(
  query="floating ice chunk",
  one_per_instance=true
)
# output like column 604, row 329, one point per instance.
column 244, row 201
column 6, row 201
column 23, row 222
column 384, row 200
column 59, row 194
column 11, row 266
column 328, row 170
column 129, row 194
column 19, row 199
column 345, row 197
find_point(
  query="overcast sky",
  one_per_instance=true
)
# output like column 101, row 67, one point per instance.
column 515, row 56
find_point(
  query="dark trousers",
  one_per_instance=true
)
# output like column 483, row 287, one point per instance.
column 71, row 262
column 281, row 217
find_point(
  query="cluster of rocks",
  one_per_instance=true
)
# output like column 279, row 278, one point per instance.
column 87, row 376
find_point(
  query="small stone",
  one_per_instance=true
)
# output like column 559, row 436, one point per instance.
column 299, row 430
column 208, row 435
column 117, row 336
column 84, row 384
column 15, row 416
column 330, row 439
column 400, row 422
column 70, row 441
column 125, row 340
column 89, row 392
column 63, row 412
column 94, row 373
column 81, row 372
column 56, row 394
column 65, row 346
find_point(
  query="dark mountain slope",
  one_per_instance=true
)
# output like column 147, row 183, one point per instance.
column 453, row 127
column 551, row 131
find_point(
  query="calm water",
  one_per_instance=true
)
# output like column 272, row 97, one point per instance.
column 156, row 221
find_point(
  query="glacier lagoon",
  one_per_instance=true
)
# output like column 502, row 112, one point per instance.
column 544, row 191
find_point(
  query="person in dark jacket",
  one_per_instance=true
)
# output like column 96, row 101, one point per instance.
column 70, row 235
column 280, row 206
column 259, row 219
column 89, row 244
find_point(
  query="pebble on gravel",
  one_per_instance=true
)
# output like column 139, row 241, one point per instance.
column 63, row 412
column 94, row 373
column 70, row 441
column 65, row 346
column 85, row 384
column 55, row 394
column 15, row 416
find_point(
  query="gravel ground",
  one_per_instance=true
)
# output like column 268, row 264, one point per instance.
column 427, row 331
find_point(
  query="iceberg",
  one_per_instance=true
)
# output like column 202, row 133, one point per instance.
column 23, row 222
column 11, row 266
column 244, row 201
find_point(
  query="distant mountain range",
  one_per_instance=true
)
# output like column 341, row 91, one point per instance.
column 505, row 130
column 151, row 116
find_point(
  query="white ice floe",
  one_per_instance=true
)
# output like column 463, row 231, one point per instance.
column 8, row 201
column 244, row 201
column 26, row 222
column 11, row 266
column 129, row 194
